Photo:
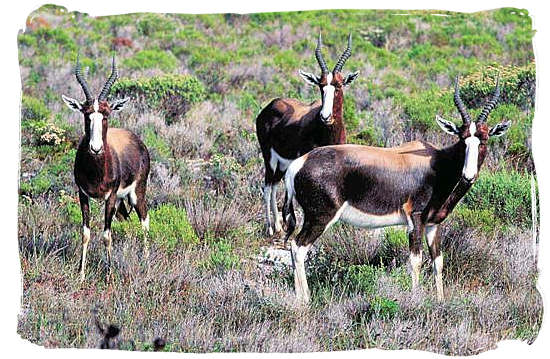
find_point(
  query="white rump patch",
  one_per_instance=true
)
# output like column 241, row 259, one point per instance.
column 328, row 98
column 277, row 159
column 469, row 170
column 293, row 169
column 130, row 190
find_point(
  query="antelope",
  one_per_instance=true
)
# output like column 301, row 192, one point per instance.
column 287, row 128
column 111, row 164
column 415, row 184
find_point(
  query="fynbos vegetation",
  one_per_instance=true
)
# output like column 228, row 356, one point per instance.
column 196, row 84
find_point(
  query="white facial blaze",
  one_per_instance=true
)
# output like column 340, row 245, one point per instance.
column 328, row 98
column 472, row 152
column 96, row 129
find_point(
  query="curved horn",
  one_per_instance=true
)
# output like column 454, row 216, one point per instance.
column 491, row 104
column 82, row 81
column 345, row 56
column 110, row 82
column 460, row 105
column 319, row 56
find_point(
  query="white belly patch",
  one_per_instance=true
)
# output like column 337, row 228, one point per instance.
column 124, row 192
column 356, row 217
column 276, row 158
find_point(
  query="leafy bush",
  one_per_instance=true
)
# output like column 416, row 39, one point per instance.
column 169, row 227
column 33, row 111
column 363, row 277
column 221, row 256
column 507, row 193
column 150, row 59
column 160, row 148
column 154, row 25
column 517, row 85
column 421, row 108
column 384, row 307
column 484, row 220
column 51, row 177
column 350, row 117
column 173, row 93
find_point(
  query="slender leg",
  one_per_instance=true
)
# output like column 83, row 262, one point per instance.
column 415, row 248
column 277, row 218
column 311, row 230
column 85, row 209
column 298, row 255
column 139, row 202
column 267, row 200
column 434, row 242
column 110, row 207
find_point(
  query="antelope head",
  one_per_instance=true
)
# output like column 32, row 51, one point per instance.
column 474, row 135
column 330, row 83
column 96, row 110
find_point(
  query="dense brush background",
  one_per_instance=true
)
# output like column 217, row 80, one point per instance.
column 197, row 83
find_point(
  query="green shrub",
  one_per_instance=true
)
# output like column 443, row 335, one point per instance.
column 507, row 193
column 384, row 308
column 350, row 116
column 153, row 25
column 149, row 59
column 286, row 60
column 183, row 90
column 221, row 256
column 169, row 227
column 422, row 107
column 517, row 85
column 363, row 277
column 33, row 111
column 507, row 15
column 53, row 176
column 395, row 241
column 482, row 219
column 156, row 144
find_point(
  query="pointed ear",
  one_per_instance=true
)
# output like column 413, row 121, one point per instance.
column 447, row 126
column 499, row 129
column 73, row 104
column 117, row 105
column 350, row 78
column 309, row 77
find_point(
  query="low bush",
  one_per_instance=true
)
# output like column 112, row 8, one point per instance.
column 172, row 93
column 151, row 59
column 506, row 193
column 169, row 227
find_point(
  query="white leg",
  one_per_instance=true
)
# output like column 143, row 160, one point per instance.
column 85, row 241
column 267, row 200
column 299, row 254
column 437, row 257
column 107, row 239
column 416, row 264
column 145, row 227
column 276, row 217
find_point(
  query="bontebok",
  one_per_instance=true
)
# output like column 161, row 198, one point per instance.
column 287, row 128
column 111, row 164
column 416, row 184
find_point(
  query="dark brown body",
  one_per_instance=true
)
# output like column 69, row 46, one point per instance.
column 125, row 159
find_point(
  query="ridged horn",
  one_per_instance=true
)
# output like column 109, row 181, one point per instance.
column 344, row 57
column 319, row 56
column 82, row 81
column 491, row 104
column 460, row 105
column 107, row 88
